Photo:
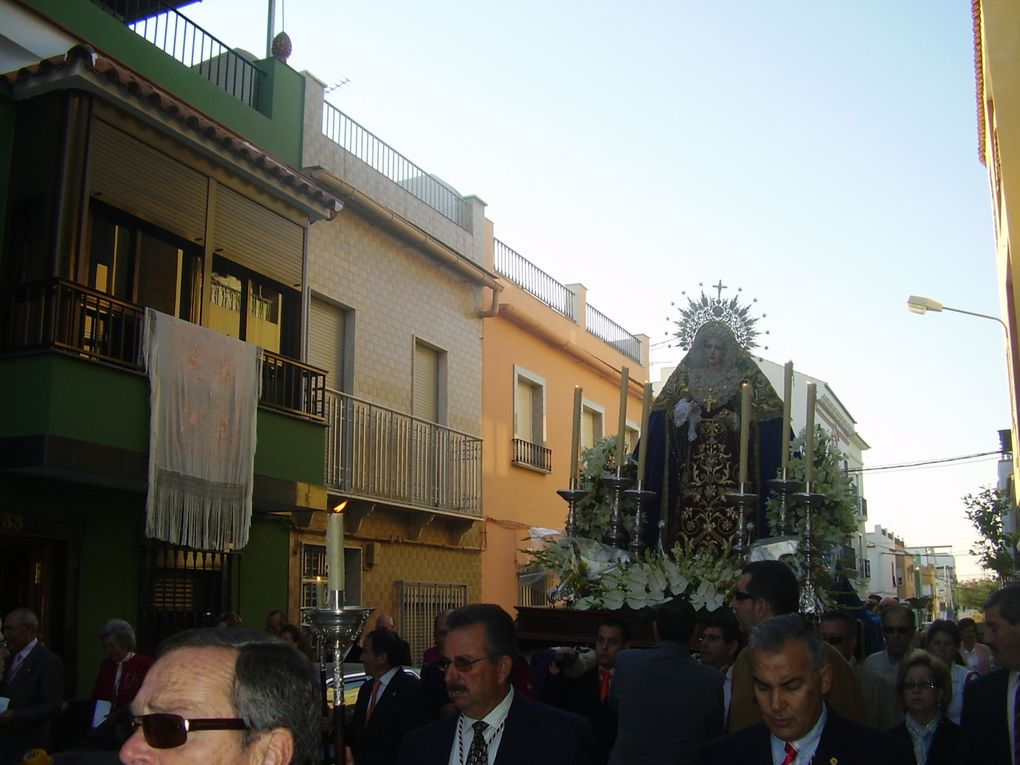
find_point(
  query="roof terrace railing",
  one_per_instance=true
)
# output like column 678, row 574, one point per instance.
column 613, row 334
column 534, row 280
column 381, row 157
column 179, row 37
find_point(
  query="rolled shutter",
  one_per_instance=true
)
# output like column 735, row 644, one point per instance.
column 426, row 383
column 247, row 233
column 325, row 340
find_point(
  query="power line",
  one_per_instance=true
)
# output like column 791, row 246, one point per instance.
column 925, row 463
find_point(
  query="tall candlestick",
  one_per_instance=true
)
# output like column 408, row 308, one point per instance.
column 787, row 404
column 335, row 549
column 745, row 430
column 646, row 408
column 621, row 431
column 575, row 436
column 809, row 438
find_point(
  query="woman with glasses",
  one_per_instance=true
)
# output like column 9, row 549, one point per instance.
column 926, row 690
column 943, row 642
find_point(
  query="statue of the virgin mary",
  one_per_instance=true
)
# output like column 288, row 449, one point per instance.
column 693, row 443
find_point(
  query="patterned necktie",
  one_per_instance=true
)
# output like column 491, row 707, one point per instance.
column 791, row 754
column 373, row 698
column 605, row 678
column 478, row 754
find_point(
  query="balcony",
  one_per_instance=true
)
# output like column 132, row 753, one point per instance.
column 63, row 316
column 380, row 454
column 534, row 456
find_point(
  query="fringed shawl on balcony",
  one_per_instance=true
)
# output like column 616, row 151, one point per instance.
column 204, row 393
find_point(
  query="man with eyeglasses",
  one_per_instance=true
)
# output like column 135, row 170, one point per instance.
column 496, row 725
column 839, row 629
column 230, row 696
column 879, row 670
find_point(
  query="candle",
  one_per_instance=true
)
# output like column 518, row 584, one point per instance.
column 624, row 380
column 809, row 437
column 745, row 430
column 646, row 408
column 335, row 549
column 787, row 403
column 575, row 436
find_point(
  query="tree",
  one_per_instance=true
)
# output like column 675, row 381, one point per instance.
column 997, row 547
column 972, row 594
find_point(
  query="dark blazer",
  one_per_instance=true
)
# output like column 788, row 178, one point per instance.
column 984, row 730
column 580, row 695
column 35, row 694
column 843, row 741
column 400, row 709
column 667, row 705
column 534, row 734
column 943, row 744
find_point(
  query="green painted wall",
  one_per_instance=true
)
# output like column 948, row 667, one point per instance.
column 265, row 570
column 278, row 128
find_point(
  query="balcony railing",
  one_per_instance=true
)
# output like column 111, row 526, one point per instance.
column 532, row 455
column 377, row 154
column 533, row 280
column 61, row 315
column 182, row 39
column 608, row 331
column 380, row 453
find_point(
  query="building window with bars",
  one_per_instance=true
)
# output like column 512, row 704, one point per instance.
column 529, row 448
column 418, row 604
column 314, row 575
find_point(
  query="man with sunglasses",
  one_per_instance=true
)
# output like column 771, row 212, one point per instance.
column 496, row 725
column 879, row 670
column 230, row 696
column 839, row 629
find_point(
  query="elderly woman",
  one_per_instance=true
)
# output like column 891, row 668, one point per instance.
column 926, row 690
column 943, row 642
column 122, row 671
column 976, row 656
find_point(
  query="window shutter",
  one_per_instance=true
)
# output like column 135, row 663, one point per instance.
column 257, row 238
column 425, row 398
column 325, row 340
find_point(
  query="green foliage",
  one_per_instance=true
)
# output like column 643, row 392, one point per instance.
column 973, row 594
column 996, row 549
column 592, row 512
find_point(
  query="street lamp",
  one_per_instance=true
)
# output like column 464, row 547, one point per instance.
column 918, row 304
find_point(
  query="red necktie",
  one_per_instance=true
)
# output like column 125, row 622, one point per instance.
column 791, row 754
column 373, row 698
column 605, row 678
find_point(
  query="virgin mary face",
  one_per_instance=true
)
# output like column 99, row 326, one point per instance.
column 715, row 352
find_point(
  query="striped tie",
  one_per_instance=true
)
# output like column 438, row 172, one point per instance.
column 791, row 753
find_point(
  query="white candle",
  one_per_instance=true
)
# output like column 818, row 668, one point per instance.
column 787, row 403
column 745, row 429
column 809, row 437
column 621, row 430
column 646, row 408
column 575, row 436
column 335, row 549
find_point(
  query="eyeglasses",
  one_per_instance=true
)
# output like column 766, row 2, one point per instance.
column 919, row 686
column 833, row 639
column 462, row 664
column 739, row 595
column 897, row 630
column 167, row 731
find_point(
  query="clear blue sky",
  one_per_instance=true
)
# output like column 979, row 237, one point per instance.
column 821, row 155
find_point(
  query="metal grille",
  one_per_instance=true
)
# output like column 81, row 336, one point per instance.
column 533, row 280
column 611, row 333
column 532, row 455
column 419, row 603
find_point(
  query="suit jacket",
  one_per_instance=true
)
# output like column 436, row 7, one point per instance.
column 667, row 705
column 35, row 694
column 399, row 709
column 580, row 695
column 535, row 734
column 845, row 695
column 943, row 744
column 132, row 675
column 984, row 730
column 843, row 741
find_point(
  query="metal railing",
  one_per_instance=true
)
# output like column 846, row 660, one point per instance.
column 611, row 333
column 182, row 39
column 418, row 604
column 531, row 455
column 380, row 453
column 381, row 157
column 533, row 280
column 58, row 314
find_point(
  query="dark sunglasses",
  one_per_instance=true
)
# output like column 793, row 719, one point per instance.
column 463, row 665
column 919, row 686
column 833, row 639
column 167, row 731
column 740, row 595
column 897, row 630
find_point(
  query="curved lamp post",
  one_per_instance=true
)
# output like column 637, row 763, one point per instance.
column 917, row 304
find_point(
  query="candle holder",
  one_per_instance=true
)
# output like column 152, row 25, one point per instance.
column 640, row 496
column 573, row 495
column 783, row 487
column 743, row 501
column 336, row 628
column 618, row 483
column 810, row 603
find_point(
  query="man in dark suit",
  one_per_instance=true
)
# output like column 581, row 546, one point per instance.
column 389, row 706
column 495, row 723
column 33, row 685
column 792, row 674
column 990, row 700
column 667, row 703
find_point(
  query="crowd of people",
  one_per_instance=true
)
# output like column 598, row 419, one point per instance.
column 755, row 683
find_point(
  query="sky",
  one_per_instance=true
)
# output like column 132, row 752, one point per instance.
column 820, row 156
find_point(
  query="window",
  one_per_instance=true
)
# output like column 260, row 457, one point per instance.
column 631, row 435
column 419, row 603
column 327, row 328
column 529, row 421
column 254, row 308
column 314, row 575
column 429, row 372
column 592, row 416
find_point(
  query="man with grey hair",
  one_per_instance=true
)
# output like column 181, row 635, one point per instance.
column 228, row 695
column 32, row 686
column 792, row 674
column 122, row 671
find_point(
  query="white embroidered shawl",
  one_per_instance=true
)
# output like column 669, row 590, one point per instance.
column 203, row 399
